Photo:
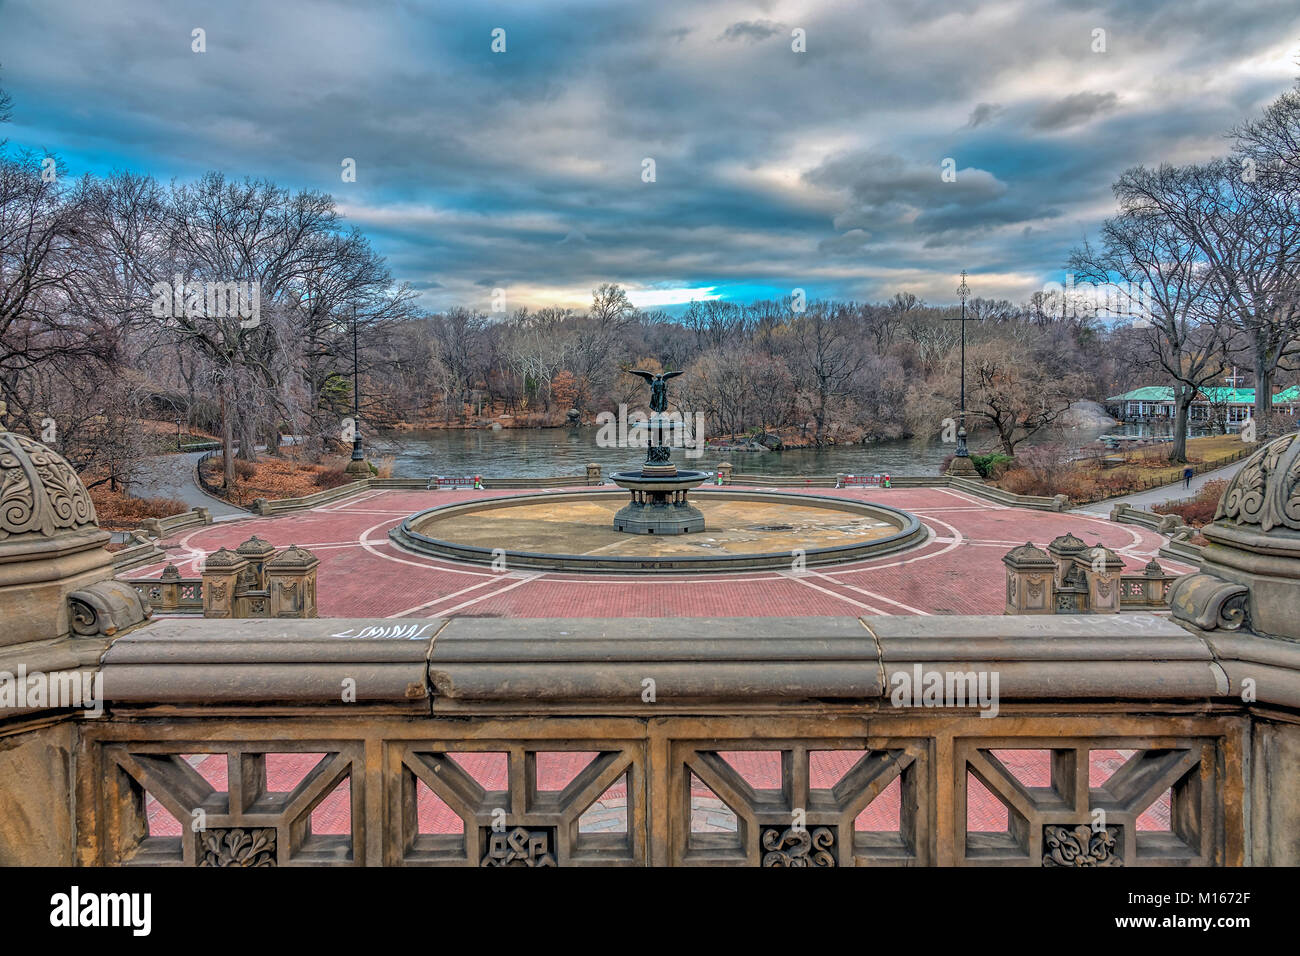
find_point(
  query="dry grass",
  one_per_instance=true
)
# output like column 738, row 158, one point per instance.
column 276, row 478
column 1039, row 471
column 119, row 512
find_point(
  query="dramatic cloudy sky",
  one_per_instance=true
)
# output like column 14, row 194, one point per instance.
column 775, row 169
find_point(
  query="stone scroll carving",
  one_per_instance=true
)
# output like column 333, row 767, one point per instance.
column 1079, row 846
column 798, row 846
column 1264, row 492
column 39, row 491
column 1209, row 603
column 237, row 847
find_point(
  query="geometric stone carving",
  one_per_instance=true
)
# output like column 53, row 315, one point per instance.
column 519, row 847
column 798, row 846
column 1080, row 846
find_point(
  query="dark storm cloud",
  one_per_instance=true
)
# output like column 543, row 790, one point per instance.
column 751, row 31
column 1074, row 109
column 524, row 169
column 983, row 113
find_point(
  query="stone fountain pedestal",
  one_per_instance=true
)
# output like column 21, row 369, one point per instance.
column 658, row 504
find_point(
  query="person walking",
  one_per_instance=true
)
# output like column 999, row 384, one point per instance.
column 1187, row 477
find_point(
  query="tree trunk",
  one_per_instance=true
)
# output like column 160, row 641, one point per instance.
column 227, row 443
column 1181, row 410
column 247, row 440
column 1263, row 390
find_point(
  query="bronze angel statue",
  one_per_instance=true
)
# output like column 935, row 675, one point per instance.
column 658, row 387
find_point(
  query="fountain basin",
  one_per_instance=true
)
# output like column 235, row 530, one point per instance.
column 573, row 531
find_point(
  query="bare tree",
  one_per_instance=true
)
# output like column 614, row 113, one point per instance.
column 1183, row 328
column 1249, row 235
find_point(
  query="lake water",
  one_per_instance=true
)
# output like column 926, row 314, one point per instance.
column 543, row 452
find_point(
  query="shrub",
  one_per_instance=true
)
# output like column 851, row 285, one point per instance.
column 331, row 478
column 1198, row 510
column 1039, row 470
column 244, row 470
column 993, row 465
column 385, row 467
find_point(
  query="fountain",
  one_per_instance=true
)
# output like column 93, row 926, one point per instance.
column 659, row 530
column 659, row 489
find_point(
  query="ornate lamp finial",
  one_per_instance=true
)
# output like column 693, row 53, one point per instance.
column 963, row 290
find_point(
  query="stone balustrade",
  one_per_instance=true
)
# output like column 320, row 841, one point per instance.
column 386, row 711
column 1071, row 578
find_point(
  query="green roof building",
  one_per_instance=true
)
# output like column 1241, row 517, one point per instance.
column 1231, row 405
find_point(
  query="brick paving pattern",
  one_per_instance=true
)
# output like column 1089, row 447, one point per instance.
column 958, row 570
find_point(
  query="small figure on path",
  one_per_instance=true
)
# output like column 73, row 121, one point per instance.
column 1187, row 477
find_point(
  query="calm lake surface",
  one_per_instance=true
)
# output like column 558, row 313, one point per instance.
column 542, row 452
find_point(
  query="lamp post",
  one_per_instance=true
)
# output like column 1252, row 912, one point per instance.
column 961, row 466
column 358, row 465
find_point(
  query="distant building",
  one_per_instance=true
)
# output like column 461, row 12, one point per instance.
column 1228, row 405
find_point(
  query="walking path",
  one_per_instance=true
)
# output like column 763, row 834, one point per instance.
column 172, row 476
column 1158, row 496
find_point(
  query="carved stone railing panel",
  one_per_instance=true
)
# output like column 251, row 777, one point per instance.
column 1182, row 771
column 247, row 824
column 1071, row 822
column 795, row 823
column 521, row 824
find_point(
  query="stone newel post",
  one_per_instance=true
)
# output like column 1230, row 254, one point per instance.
column 593, row 474
column 724, row 472
column 1030, row 580
column 221, row 572
column 1101, row 568
column 257, row 553
column 169, row 588
column 291, row 581
column 1064, row 549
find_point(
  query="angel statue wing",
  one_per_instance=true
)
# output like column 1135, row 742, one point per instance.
column 648, row 376
column 668, row 375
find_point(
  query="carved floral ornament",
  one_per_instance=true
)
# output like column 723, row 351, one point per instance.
column 1264, row 491
column 39, row 492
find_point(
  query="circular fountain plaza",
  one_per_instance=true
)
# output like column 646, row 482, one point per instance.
column 580, row 531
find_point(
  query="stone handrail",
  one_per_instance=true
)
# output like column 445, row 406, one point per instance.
column 171, row 596
column 1037, row 502
column 385, row 708
column 164, row 527
column 141, row 550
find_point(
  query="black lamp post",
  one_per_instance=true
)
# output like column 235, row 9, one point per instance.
column 963, row 291
column 961, row 466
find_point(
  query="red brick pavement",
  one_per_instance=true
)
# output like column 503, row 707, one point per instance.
column 958, row 571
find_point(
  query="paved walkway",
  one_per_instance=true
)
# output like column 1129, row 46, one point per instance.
column 172, row 476
column 957, row 570
column 1158, row 496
